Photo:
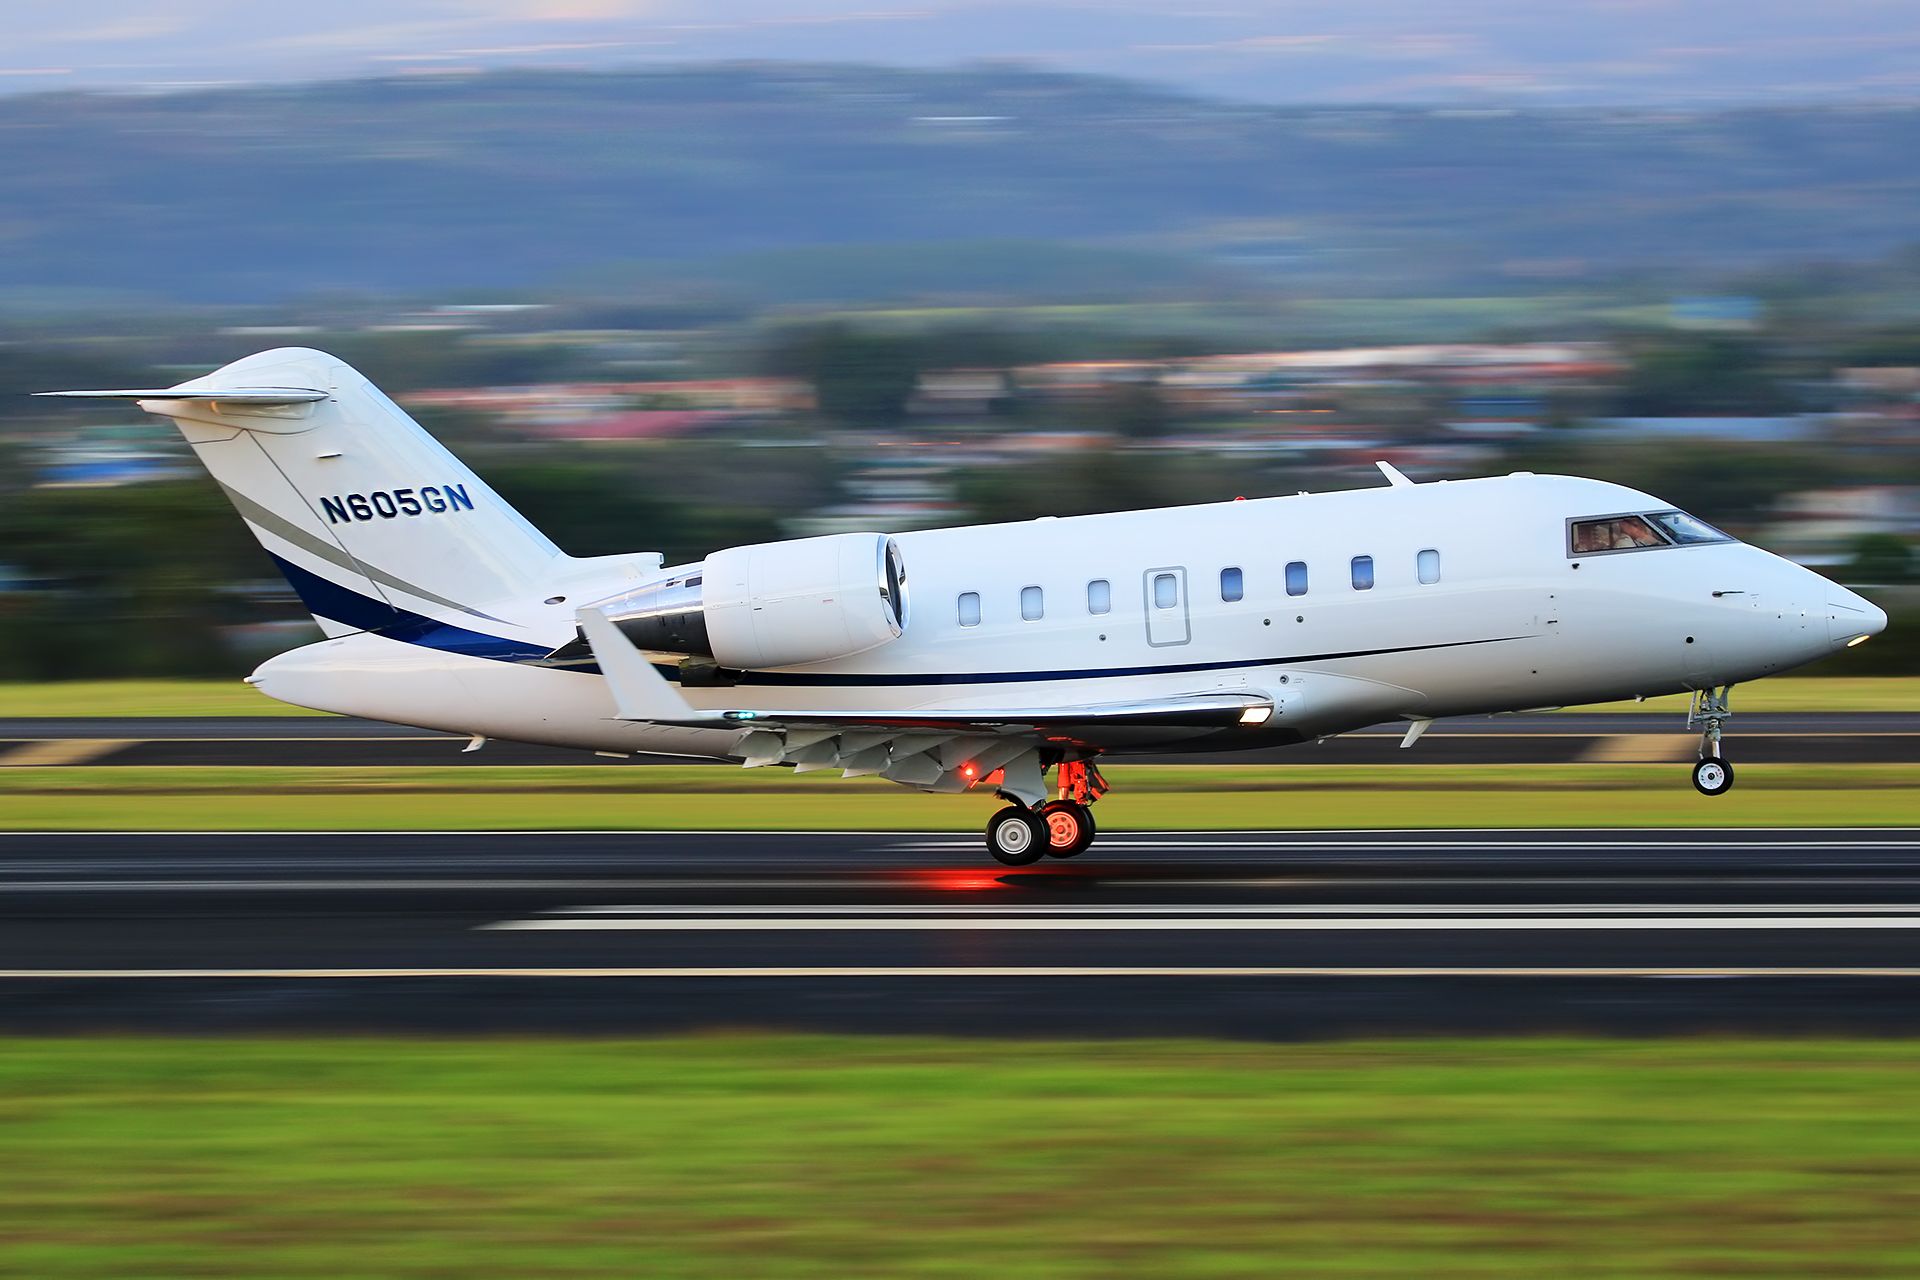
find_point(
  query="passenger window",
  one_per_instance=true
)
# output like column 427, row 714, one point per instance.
column 1099, row 596
column 1232, row 585
column 970, row 608
column 1429, row 561
column 1166, row 591
column 1297, row 578
column 1614, row 533
column 1032, row 603
column 1363, row 573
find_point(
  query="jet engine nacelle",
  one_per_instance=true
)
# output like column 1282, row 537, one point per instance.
column 773, row 604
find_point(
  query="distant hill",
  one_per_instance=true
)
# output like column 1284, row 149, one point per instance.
column 679, row 177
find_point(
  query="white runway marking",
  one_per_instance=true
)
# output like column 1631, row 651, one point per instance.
column 9, row 884
column 1110, row 843
column 1197, row 909
column 1350, row 918
column 1732, row 834
column 982, row 971
column 353, row 886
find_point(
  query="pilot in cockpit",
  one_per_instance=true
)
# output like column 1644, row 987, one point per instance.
column 1630, row 532
column 1589, row 536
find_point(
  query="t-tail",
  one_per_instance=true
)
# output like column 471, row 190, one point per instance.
column 373, row 522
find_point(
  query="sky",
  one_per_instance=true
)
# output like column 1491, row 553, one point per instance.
column 1541, row 52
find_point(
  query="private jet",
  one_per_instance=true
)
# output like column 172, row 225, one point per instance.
column 1009, row 659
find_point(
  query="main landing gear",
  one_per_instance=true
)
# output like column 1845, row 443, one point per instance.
column 1061, row 828
column 1712, row 774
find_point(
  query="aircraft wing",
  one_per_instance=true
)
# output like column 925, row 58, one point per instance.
column 642, row 693
column 938, row 750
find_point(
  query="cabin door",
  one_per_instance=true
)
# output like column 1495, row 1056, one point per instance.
column 1166, row 599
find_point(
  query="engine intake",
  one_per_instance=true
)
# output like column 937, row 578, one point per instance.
column 773, row 604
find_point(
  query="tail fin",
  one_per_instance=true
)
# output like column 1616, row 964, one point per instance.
column 373, row 522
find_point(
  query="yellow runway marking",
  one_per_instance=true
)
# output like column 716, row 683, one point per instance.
column 1641, row 748
column 53, row 752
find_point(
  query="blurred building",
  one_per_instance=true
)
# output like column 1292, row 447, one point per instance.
column 1826, row 526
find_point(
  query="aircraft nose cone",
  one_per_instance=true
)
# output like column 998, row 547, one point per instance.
column 1852, row 618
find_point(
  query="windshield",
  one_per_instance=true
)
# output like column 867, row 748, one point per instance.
column 1682, row 527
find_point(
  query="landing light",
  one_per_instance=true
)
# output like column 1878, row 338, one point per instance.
column 1256, row 715
column 1858, row 640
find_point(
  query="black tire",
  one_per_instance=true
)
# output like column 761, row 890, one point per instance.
column 1712, row 776
column 1070, row 828
column 1017, row 836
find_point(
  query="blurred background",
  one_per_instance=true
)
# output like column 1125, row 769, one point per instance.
column 672, row 279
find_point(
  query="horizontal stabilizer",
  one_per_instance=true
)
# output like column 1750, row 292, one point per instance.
column 229, row 395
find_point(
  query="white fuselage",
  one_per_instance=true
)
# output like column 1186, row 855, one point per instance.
column 1513, row 621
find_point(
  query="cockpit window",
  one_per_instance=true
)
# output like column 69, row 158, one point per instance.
column 1601, row 534
column 1614, row 533
column 1682, row 527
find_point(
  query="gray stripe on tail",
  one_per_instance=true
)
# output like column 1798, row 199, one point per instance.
column 285, row 529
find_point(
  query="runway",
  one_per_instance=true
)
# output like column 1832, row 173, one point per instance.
column 1262, row 934
column 311, row 741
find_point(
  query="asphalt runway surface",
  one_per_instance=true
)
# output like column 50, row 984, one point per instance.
column 1825, row 737
column 1262, row 934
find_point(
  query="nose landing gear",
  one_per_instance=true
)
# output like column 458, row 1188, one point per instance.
column 1060, row 828
column 1712, row 774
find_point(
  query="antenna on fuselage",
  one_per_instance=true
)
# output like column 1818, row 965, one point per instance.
column 1392, row 473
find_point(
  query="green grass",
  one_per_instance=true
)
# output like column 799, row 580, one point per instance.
column 141, row 698
column 773, row 1157
column 1147, row 797
column 1789, row 693
column 235, row 698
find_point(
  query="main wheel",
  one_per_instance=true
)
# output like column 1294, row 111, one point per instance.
column 1017, row 836
column 1070, row 828
column 1712, row 776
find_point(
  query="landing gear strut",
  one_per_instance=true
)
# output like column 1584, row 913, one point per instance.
column 1061, row 828
column 1712, row 774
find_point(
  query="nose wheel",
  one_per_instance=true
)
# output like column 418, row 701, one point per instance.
column 1712, row 774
